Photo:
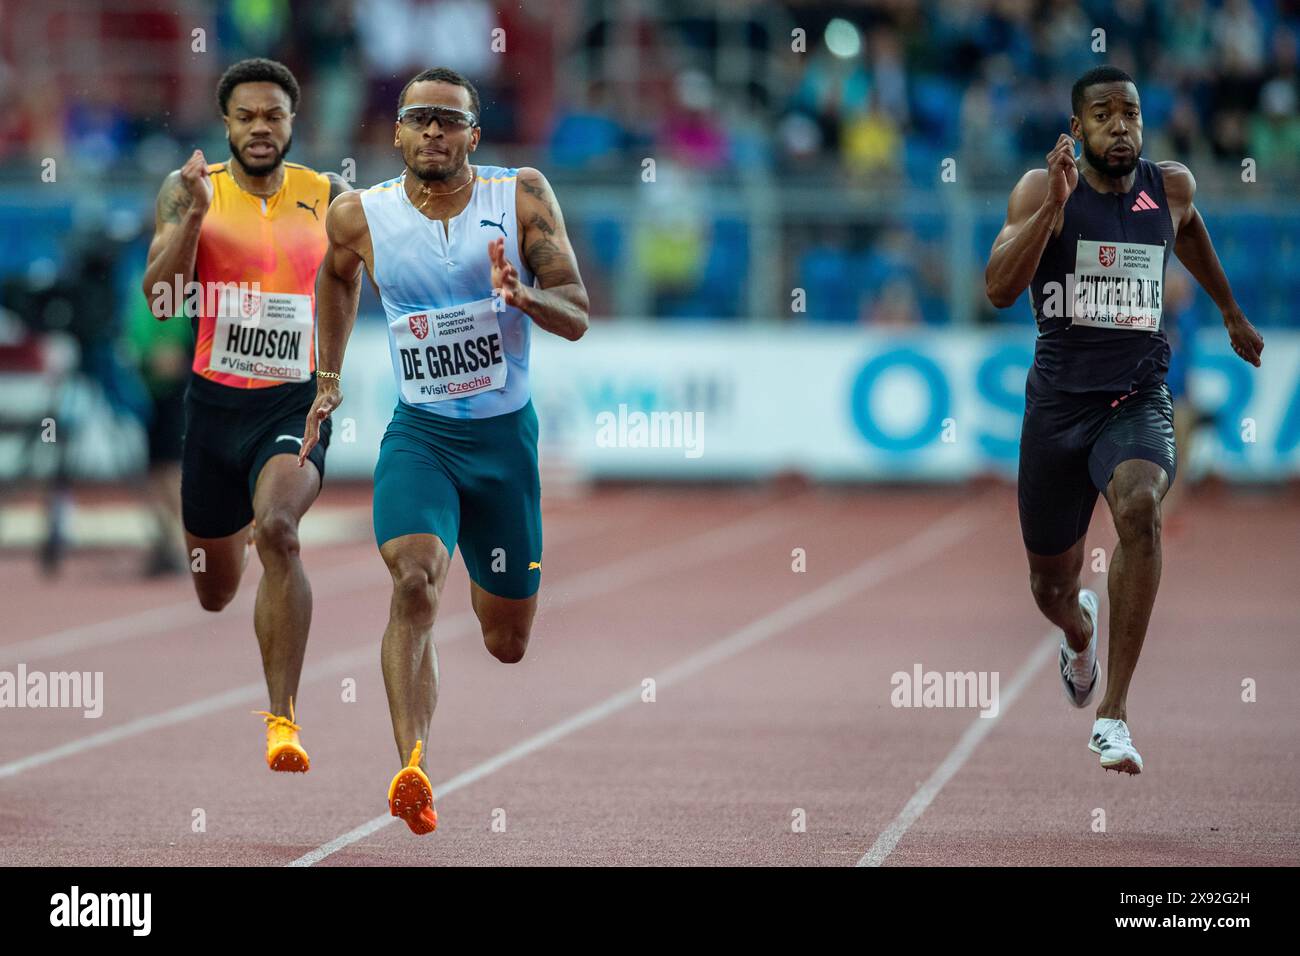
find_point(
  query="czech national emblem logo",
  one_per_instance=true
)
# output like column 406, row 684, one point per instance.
column 250, row 304
column 1106, row 255
column 419, row 325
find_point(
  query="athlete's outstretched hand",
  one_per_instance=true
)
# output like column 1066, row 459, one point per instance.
column 328, row 397
column 1246, row 342
column 1062, row 170
column 506, row 277
column 195, row 178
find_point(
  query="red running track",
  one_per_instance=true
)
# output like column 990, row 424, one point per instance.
column 771, row 701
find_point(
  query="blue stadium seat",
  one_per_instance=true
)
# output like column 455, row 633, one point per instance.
column 934, row 101
column 28, row 233
column 727, row 268
column 929, row 227
column 934, row 310
column 825, row 273
column 606, row 241
column 922, row 162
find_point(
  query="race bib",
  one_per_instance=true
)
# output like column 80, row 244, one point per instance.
column 1118, row 285
column 449, row 353
column 264, row 335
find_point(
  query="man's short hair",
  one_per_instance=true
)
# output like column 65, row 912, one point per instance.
column 1099, row 74
column 257, row 70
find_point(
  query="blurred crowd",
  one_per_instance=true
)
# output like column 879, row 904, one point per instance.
column 868, row 87
column 772, row 99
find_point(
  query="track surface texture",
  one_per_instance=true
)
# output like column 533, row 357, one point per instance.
column 771, row 738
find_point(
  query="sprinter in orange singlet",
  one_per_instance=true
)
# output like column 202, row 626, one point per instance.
column 243, row 239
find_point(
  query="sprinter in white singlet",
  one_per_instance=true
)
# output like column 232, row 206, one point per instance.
column 466, row 259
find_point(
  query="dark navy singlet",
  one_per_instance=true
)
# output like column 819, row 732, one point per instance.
column 1102, row 330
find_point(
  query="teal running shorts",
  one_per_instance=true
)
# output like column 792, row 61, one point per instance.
column 472, row 482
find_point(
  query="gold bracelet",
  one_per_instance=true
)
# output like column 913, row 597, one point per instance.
column 333, row 375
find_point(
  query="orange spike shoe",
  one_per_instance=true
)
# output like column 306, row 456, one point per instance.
column 410, row 796
column 284, row 752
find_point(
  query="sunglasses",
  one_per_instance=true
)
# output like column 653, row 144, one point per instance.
column 419, row 117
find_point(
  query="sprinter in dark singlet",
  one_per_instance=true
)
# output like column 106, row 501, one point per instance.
column 1091, row 241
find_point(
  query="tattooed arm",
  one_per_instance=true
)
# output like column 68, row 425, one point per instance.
column 182, row 203
column 558, row 303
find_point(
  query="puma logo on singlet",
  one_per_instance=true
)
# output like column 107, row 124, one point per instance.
column 534, row 565
column 499, row 225
column 311, row 209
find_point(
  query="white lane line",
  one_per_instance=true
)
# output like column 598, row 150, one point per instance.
column 934, row 539
column 636, row 568
column 170, row 618
column 245, row 694
column 140, row 624
column 1044, row 650
column 327, row 583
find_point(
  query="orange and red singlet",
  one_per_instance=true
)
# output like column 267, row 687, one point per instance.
column 256, row 264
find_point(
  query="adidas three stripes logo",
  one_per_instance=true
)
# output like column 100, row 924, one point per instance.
column 1144, row 203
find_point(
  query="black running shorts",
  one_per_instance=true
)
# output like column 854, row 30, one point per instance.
column 1070, row 445
column 228, row 438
